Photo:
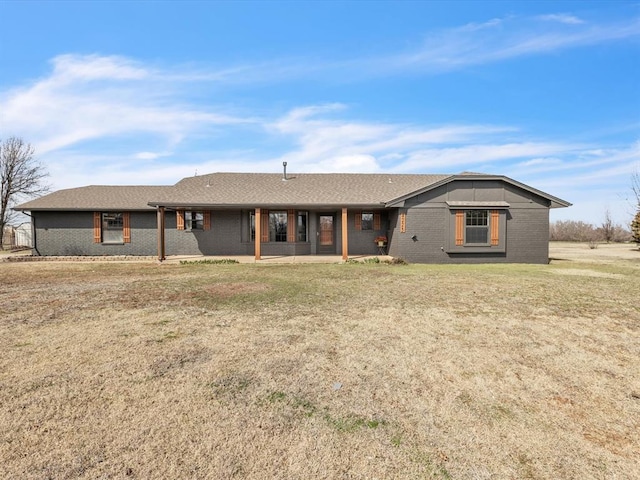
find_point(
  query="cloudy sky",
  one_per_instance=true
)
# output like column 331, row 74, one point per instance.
column 547, row 93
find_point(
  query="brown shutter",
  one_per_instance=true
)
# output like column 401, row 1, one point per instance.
column 358, row 220
column 376, row 221
column 403, row 223
column 97, row 227
column 264, row 227
column 206, row 220
column 126, row 227
column 459, row 227
column 495, row 227
column 291, row 226
column 180, row 219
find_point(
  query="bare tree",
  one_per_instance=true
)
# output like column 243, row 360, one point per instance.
column 21, row 175
column 607, row 228
column 572, row 231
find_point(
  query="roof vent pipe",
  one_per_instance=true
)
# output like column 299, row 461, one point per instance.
column 284, row 175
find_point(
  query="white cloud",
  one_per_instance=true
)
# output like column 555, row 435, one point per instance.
column 91, row 97
column 95, row 67
column 562, row 18
column 501, row 39
column 150, row 155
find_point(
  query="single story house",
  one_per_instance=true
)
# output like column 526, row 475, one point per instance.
column 421, row 218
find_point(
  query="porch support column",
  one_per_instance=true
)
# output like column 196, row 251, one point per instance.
column 345, row 237
column 160, row 223
column 258, row 233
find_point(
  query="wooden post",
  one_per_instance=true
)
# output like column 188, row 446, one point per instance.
column 345, row 238
column 257, row 233
column 161, row 252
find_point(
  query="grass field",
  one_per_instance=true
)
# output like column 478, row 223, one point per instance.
column 138, row 370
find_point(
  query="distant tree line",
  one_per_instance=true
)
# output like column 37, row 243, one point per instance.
column 578, row 231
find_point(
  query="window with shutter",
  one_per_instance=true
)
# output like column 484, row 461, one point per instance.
column 376, row 221
column 477, row 230
column 358, row 218
column 206, row 222
column 111, row 227
column 180, row 219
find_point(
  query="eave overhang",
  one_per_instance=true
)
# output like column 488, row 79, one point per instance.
column 83, row 209
column 499, row 205
column 269, row 206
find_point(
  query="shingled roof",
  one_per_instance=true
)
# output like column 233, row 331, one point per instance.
column 269, row 190
column 97, row 197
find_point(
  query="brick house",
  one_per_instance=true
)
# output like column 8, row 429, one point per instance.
column 460, row 218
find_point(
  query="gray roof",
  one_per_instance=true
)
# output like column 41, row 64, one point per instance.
column 267, row 190
column 96, row 197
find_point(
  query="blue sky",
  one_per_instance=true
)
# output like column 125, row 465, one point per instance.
column 547, row 93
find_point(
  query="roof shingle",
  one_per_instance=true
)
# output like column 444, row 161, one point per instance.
column 250, row 190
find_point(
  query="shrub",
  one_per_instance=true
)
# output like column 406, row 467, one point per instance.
column 635, row 228
column 209, row 261
column 371, row 260
column 398, row 261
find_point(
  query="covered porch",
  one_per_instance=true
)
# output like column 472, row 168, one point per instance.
column 269, row 233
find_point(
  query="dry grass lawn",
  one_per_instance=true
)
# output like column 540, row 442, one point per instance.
column 135, row 370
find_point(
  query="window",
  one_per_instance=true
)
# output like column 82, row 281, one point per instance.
column 477, row 230
column 191, row 220
column 367, row 221
column 112, row 228
column 278, row 229
column 477, row 227
column 194, row 221
column 252, row 225
column 302, row 227
column 277, row 226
